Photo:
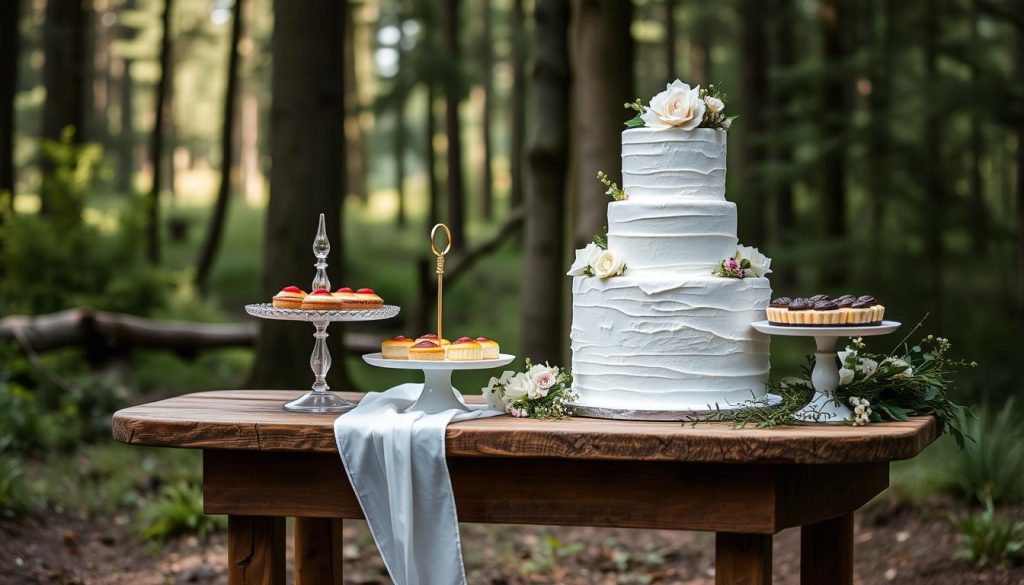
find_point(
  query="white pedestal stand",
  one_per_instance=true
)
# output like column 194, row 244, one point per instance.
column 438, row 394
column 319, row 399
column 824, row 407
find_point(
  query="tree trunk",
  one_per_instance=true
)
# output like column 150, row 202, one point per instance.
column 430, row 160
column 208, row 252
column 935, row 195
column 354, row 146
column 399, row 154
column 880, row 178
column 833, row 165
column 307, row 141
column 542, row 331
column 64, row 77
column 453, row 129
column 753, row 86
column 670, row 40
column 156, row 144
column 604, row 60
column 1018, row 66
column 700, row 48
column 126, row 138
column 782, row 191
column 517, row 128
column 979, row 210
column 10, row 17
column 486, row 67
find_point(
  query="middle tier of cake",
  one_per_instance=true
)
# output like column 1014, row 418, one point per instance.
column 668, row 342
column 681, row 235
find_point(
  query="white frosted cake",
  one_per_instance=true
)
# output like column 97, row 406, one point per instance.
column 665, row 333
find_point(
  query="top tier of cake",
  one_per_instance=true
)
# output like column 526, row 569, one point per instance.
column 673, row 163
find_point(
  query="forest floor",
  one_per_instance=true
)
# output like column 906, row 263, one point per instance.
column 894, row 544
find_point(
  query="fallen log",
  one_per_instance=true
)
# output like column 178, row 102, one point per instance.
column 104, row 334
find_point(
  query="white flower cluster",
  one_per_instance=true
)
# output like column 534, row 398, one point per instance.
column 593, row 260
column 678, row 106
column 861, row 411
column 535, row 383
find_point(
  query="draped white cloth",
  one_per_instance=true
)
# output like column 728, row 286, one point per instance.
column 395, row 461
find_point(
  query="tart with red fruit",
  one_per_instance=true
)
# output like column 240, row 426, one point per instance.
column 290, row 297
column 321, row 300
column 490, row 348
column 426, row 350
column 396, row 348
column 465, row 349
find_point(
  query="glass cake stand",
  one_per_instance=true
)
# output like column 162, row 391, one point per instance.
column 824, row 406
column 319, row 399
column 438, row 394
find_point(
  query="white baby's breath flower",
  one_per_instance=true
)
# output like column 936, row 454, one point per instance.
column 585, row 258
column 608, row 265
column 759, row 263
column 714, row 104
column 678, row 106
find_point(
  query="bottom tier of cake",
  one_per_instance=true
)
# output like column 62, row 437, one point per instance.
column 668, row 342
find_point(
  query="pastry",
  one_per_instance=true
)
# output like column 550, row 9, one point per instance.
column 290, row 297
column 865, row 311
column 426, row 350
column 396, row 348
column 362, row 299
column 465, row 349
column 369, row 299
column 432, row 338
column 321, row 300
column 490, row 348
column 822, row 311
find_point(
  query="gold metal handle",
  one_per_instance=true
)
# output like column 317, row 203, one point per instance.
column 440, row 271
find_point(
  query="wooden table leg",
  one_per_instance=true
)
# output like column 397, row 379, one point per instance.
column 743, row 559
column 318, row 551
column 826, row 552
column 256, row 550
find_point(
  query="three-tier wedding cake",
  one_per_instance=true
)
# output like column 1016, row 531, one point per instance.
column 662, row 308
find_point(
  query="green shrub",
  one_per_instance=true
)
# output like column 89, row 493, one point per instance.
column 15, row 497
column 993, row 464
column 989, row 538
column 179, row 511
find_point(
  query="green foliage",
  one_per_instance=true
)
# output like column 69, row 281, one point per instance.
column 179, row 511
column 613, row 190
column 71, row 173
column 548, row 553
column 990, row 538
column 992, row 465
column 15, row 497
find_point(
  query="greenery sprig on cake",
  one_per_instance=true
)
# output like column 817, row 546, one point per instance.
column 909, row 380
column 679, row 106
column 616, row 193
column 541, row 391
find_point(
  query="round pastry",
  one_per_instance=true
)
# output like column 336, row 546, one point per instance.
column 426, row 350
column 826, row 312
column 465, row 349
column 777, row 310
column 321, row 300
column 432, row 338
column 290, row 297
column 369, row 299
column 396, row 348
column 490, row 348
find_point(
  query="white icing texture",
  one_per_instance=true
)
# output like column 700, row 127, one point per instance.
column 669, row 342
column 666, row 234
column 674, row 163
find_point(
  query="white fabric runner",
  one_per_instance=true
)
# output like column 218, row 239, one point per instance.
column 396, row 463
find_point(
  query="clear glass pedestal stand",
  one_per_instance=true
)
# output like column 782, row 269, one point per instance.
column 320, row 399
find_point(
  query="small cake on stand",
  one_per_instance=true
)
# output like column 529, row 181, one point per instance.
column 319, row 399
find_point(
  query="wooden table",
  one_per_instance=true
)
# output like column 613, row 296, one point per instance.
column 261, row 464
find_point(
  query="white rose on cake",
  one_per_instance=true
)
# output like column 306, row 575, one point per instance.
column 676, row 107
column 760, row 264
column 585, row 258
column 608, row 265
column 714, row 104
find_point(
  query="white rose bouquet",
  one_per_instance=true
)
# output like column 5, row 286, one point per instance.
column 541, row 391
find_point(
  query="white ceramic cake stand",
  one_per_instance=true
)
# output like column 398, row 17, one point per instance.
column 824, row 406
column 438, row 394
column 319, row 399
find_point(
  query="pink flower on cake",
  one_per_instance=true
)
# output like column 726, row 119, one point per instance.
column 678, row 106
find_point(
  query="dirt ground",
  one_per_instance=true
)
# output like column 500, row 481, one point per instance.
column 894, row 545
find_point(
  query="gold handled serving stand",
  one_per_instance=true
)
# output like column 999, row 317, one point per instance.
column 438, row 395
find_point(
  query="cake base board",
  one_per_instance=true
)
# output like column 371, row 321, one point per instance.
column 588, row 411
